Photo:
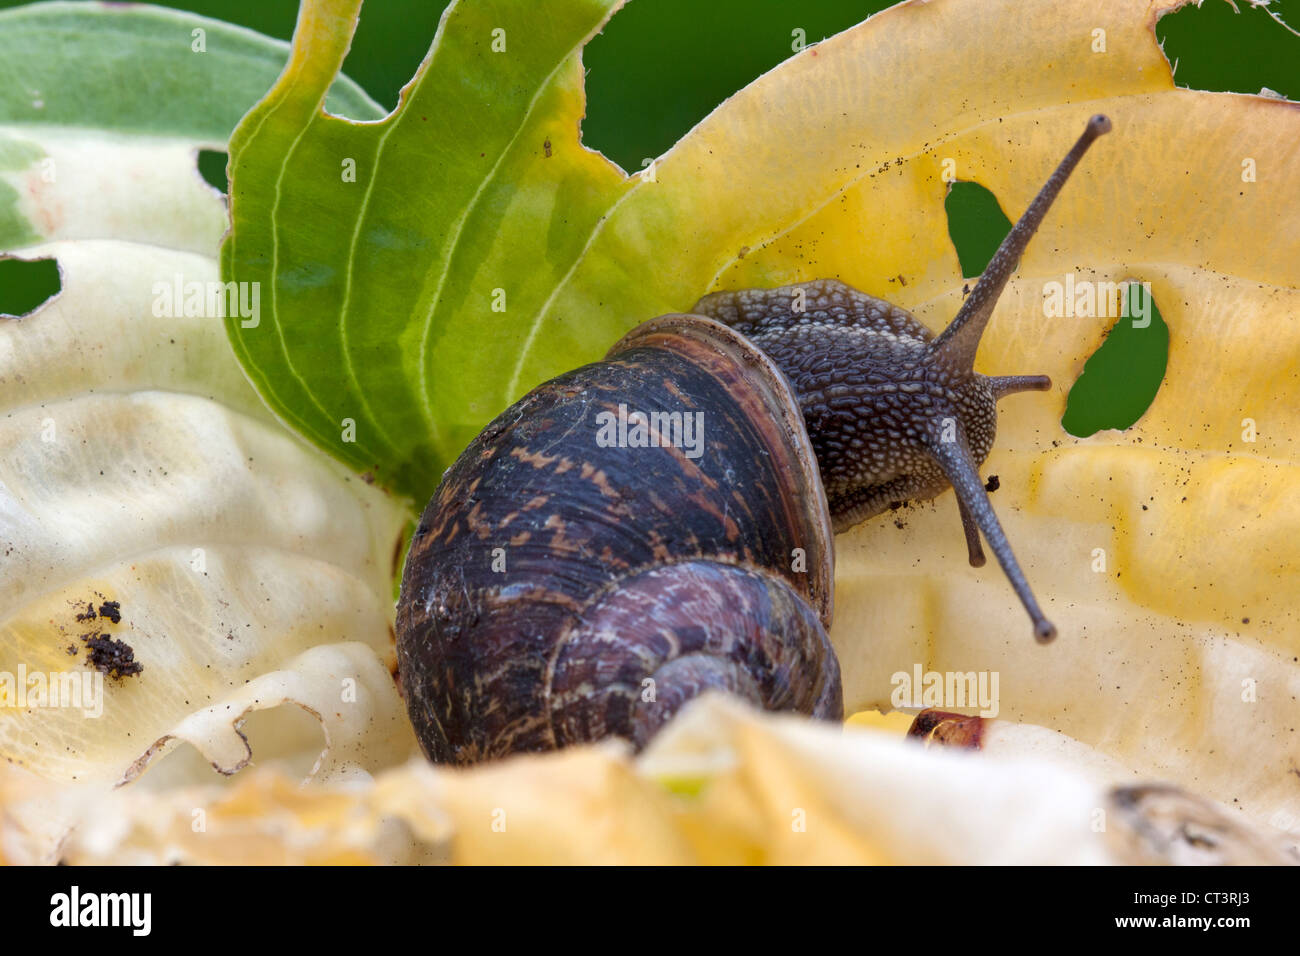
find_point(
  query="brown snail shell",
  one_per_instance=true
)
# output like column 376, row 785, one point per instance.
column 629, row 579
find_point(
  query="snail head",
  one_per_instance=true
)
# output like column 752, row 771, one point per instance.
column 894, row 412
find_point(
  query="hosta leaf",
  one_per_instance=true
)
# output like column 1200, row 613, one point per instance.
column 1164, row 553
column 147, row 71
column 1182, row 650
column 466, row 206
column 166, row 99
column 249, row 572
column 1177, row 660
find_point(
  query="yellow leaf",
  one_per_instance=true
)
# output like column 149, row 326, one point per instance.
column 767, row 789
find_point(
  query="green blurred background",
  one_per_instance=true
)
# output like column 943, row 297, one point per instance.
column 662, row 65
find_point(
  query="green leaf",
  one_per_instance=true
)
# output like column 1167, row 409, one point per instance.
column 380, row 292
column 137, row 69
column 79, row 81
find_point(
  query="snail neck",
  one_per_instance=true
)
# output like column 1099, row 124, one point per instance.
column 874, row 396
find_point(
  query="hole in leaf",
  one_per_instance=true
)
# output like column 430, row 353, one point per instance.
column 27, row 285
column 1119, row 382
column 1121, row 379
column 1213, row 47
column 976, row 224
column 391, row 41
column 212, row 167
column 659, row 68
column 179, row 765
column 285, row 737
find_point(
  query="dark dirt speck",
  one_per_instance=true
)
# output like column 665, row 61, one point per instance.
column 111, row 656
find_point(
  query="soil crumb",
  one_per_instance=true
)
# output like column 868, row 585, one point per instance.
column 111, row 656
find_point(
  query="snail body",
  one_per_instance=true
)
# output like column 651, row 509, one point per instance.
column 585, row 568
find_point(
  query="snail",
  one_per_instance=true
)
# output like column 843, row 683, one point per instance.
column 644, row 528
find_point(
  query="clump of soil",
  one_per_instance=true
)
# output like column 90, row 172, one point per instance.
column 111, row 656
column 104, row 652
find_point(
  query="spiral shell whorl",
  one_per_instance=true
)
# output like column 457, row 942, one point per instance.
column 668, row 634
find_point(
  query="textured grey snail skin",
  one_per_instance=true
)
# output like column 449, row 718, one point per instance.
column 873, row 399
column 895, row 413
